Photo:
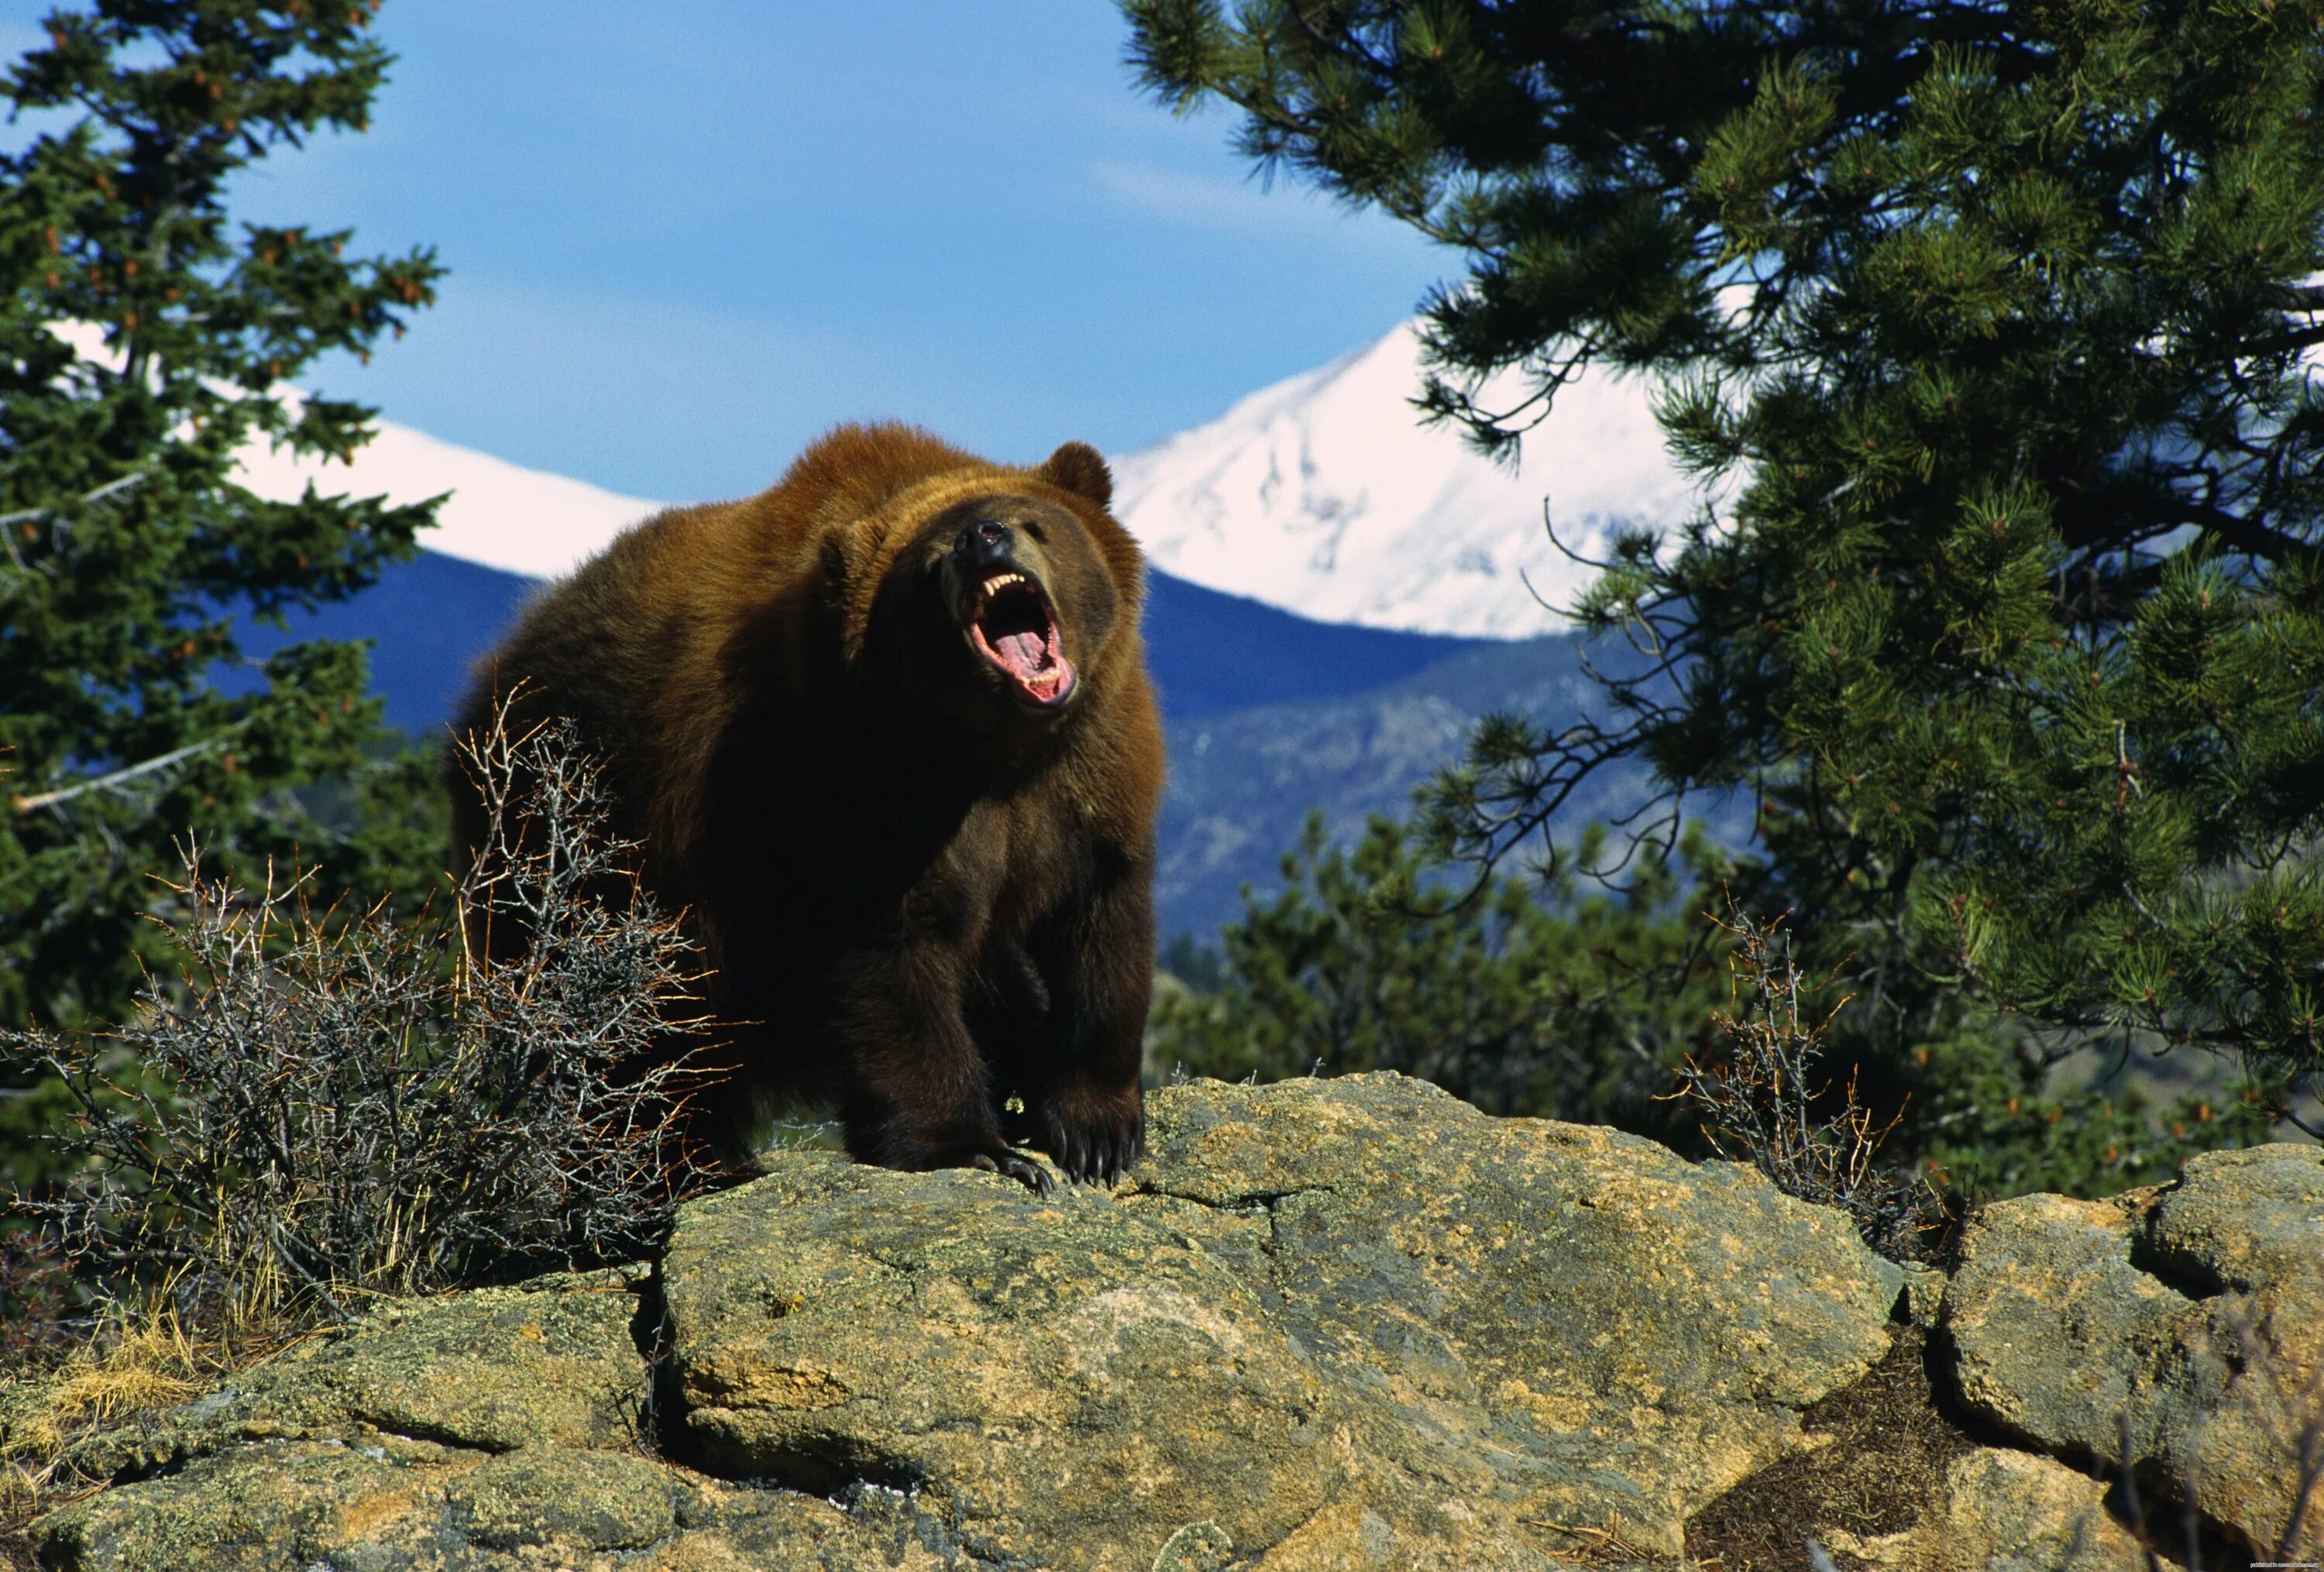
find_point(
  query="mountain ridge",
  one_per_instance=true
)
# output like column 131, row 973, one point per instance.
column 1320, row 495
column 429, row 620
column 1265, row 715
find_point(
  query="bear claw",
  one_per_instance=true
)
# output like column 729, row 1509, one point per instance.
column 1016, row 1165
column 1095, row 1156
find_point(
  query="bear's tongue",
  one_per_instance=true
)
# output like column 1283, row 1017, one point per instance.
column 1015, row 629
column 1022, row 654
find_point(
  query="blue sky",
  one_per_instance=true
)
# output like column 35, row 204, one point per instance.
column 685, row 237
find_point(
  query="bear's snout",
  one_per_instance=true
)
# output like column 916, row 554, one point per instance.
column 985, row 543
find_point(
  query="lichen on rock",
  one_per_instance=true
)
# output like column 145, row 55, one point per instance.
column 2177, row 1330
column 1314, row 1297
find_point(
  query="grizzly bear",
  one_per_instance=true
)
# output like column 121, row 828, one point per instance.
column 884, row 733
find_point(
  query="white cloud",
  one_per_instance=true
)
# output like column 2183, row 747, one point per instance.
column 1209, row 202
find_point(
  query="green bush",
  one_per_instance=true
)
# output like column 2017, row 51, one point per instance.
column 1990, row 328
column 146, row 339
column 1562, row 998
column 1564, row 1002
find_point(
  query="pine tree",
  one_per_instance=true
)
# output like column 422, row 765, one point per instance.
column 143, row 340
column 1996, row 319
column 1566, row 1002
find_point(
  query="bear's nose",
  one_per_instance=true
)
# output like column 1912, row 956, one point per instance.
column 984, row 540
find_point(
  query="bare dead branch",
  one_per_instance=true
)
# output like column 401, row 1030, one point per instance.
column 116, row 778
column 1762, row 1104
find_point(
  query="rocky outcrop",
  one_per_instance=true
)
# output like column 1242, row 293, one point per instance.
column 1355, row 1319
column 2012, row 1512
column 2177, row 1329
column 1337, row 1324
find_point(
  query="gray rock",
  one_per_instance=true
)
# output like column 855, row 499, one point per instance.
column 2011, row 1511
column 292, row 1506
column 2180, row 1329
column 1357, row 1306
column 2000, row 1511
column 547, row 1497
column 1924, row 1295
column 553, row 1364
column 1328, row 1325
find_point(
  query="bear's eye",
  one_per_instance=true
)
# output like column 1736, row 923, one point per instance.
column 1035, row 530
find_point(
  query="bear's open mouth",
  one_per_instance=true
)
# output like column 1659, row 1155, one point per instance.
column 1011, row 625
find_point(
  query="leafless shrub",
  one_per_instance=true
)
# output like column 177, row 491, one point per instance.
column 1761, row 1104
column 322, row 1107
column 35, row 1300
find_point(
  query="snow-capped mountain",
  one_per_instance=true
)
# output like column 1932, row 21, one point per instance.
column 502, row 529
column 1323, row 495
column 499, row 514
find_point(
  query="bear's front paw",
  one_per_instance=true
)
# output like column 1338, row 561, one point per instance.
column 922, row 1150
column 1094, row 1138
column 1015, row 1165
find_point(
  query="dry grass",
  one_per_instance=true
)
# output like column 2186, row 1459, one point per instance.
column 148, row 1364
column 141, row 1358
column 1882, row 1447
column 322, row 1109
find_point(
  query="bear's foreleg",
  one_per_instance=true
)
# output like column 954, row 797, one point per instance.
column 1082, row 1089
column 918, row 1093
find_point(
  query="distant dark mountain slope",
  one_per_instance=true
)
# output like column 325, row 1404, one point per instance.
column 1209, row 653
column 1241, row 784
column 1212, row 653
column 430, row 618
column 1268, row 714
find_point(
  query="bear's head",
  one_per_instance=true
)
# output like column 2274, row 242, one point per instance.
column 1003, row 595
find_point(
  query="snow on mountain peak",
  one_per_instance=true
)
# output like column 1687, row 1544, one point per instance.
column 1323, row 495
column 497, row 514
column 500, row 514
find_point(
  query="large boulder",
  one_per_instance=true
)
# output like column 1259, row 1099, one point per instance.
column 553, row 1364
column 2013, row 1511
column 1357, row 1313
column 2177, row 1330
column 1326, row 1325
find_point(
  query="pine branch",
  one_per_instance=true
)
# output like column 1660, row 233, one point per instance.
column 2236, row 532
column 111, row 488
column 108, row 781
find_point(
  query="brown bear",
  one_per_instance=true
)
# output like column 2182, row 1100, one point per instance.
column 885, row 734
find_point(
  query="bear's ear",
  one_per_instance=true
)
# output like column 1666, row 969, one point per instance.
column 1077, row 468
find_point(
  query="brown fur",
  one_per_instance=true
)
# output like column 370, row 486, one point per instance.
column 921, row 896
